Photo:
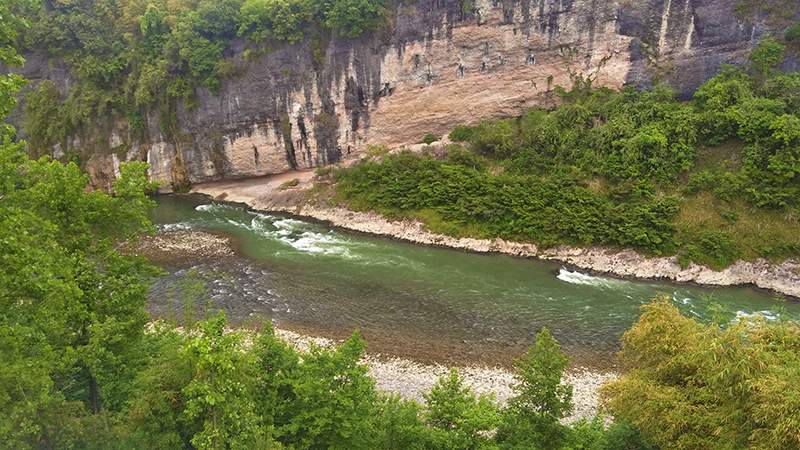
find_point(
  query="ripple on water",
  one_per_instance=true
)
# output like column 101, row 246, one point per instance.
column 422, row 302
column 575, row 277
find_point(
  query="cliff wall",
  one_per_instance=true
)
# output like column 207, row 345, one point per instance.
column 437, row 64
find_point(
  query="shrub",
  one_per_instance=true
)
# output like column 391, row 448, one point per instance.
column 294, row 182
column 456, row 417
column 792, row 33
column 714, row 248
column 429, row 139
column 693, row 386
column 531, row 419
column 323, row 172
column 353, row 17
column 766, row 56
column 461, row 133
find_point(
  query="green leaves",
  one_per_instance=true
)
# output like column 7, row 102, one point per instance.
column 766, row 57
column 275, row 19
column 531, row 419
column 220, row 397
column 351, row 18
column 547, row 210
column 459, row 419
column 68, row 295
column 692, row 386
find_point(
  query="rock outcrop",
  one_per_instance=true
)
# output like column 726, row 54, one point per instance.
column 436, row 64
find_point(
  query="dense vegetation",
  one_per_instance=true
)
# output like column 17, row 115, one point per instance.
column 83, row 369
column 712, row 180
column 690, row 386
column 127, row 57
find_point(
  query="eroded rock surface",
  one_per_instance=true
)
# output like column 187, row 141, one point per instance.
column 436, row 65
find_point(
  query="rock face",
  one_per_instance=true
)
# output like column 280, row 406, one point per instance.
column 437, row 64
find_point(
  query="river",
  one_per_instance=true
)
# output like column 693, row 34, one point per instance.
column 423, row 303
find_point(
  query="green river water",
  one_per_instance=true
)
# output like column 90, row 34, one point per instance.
column 424, row 303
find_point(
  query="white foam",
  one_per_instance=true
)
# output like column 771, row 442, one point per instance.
column 575, row 277
column 318, row 243
column 175, row 226
column 288, row 223
column 214, row 207
column 766, row 315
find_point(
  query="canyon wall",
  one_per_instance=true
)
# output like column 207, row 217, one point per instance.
column 437, row 64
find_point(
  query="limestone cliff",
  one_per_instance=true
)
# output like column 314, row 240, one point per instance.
column 437, row 64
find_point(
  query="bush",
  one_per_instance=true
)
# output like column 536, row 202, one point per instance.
column 323, row 172
column 531, row 419
column 766, row 56
column 713, row 248
column 595, row 435
column 294, row 182
column 461, row 133
column 456, row 417
column 792, row 33
column 693, row 386
column 495, row 139
column 351, row 18
column 429, row 139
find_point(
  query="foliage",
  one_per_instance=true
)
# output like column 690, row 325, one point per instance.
column 275, row 19
column 294, row 182
column 83, row 369
column 766, row 57
column 351, row 18
column 456, row 417
column 520, row 207
column 612, row 168
column 691, row 386
column 792, row 33
column 531, row 419
column 429, row 139
column 44, row 118
column 131, row 57
column 461, row 133
column 219, row 397
column 596, row 435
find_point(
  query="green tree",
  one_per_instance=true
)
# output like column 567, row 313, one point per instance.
column 276, row 19
column 457, row 418
column 73, row 307
column 351, row 18
column 324, row 399
column 220, row 396
column 531, row 419
column 766, row 57
column 693, row 386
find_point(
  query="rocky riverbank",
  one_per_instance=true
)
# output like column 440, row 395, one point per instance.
column 270, row 194
column 179, row 245
column 405, row 377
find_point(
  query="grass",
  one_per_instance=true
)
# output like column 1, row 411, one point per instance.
column 757, row 232
column 721, row 157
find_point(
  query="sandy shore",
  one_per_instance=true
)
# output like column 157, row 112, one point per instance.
column 267, row 194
